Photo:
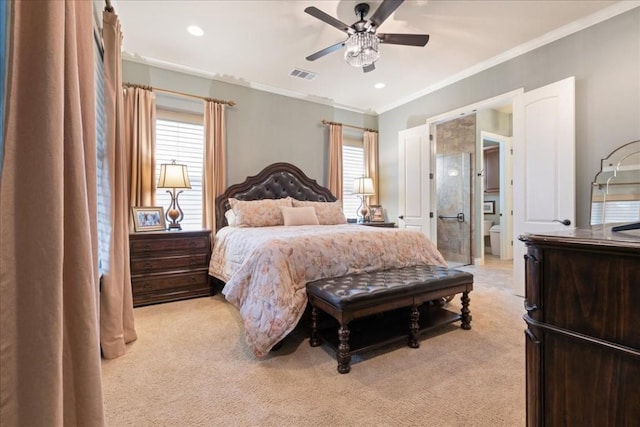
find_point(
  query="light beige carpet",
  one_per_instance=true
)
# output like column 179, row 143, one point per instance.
column 190, row 367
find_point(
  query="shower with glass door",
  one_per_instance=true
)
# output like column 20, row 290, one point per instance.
column 453, row 183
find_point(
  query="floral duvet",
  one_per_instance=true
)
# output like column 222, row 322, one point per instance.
column 266, row 268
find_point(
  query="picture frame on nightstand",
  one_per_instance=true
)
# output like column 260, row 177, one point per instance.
column 148, row 218
column 377, row 213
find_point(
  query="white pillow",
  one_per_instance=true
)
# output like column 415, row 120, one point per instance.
column 328, row 213
column 299, row 216
column 231, row 218
column 258, row 213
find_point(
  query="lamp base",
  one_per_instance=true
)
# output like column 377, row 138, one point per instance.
column 363, row 212
column 174, row 215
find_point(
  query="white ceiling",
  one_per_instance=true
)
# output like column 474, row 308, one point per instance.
column 258, row 43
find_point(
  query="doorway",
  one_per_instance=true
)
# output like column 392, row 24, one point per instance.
column 492, row 116
column 497, row 191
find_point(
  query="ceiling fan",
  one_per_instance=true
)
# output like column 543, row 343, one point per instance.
column 362, row 41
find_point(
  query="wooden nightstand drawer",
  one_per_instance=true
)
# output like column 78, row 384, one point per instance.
column 380, row 224
column 170, row 244
column 162, row 282
column 144, row 265
column 151, row 291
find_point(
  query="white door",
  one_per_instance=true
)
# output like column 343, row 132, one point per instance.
column 543, row 165
column 415, row 184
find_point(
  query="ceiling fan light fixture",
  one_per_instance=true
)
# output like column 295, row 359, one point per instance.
column 361, row 49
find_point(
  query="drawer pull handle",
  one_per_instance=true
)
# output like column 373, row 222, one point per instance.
column 530, row 307
column 146, row 247
column 146, row 285
column 147, row 264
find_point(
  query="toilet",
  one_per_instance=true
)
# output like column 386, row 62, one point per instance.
column 494, row 236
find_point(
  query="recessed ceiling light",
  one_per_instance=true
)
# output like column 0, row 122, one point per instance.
column 194, row 30
column 379, row 85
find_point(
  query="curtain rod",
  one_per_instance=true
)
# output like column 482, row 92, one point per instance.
column 327, row 122
column 188, row 95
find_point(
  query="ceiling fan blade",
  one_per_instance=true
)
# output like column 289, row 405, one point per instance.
column 369, row 67
column 404, row 39
column 324, row 17
column 325, row 51
column 386, row 8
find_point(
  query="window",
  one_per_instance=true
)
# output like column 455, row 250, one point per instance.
column 352, row 168
column 102, row 165
column 180, row 137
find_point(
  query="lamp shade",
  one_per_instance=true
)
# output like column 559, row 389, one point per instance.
column 364, row 186
column 173, row 176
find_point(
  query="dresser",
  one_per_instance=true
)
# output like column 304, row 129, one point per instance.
column 169, row 265
column 583, row 328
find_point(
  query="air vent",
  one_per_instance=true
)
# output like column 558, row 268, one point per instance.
column 302, row 74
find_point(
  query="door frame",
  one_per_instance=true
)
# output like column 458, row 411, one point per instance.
column 499, row 100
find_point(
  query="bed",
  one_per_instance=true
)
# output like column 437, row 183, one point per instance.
column 265, row 266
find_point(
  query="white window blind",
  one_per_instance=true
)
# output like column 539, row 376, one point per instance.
column 102, row 166
column 352, row 168
column 615, row 212
column 183, row 142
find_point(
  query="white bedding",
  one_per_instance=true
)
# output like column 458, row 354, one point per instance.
column 266, row 268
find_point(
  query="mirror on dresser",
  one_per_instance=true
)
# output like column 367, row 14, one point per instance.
column 615, row 191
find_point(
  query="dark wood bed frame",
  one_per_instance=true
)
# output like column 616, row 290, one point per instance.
column 276, row 181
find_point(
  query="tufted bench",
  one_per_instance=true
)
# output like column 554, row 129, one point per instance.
column 358, row 295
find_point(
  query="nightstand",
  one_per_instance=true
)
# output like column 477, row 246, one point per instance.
column 169, row 265
column 379, row 224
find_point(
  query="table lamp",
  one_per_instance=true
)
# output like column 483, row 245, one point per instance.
column 175, row 177
column 363, row 186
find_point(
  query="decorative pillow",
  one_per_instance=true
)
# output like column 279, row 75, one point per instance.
column 299, row 216
column 328, row 213
column 259, row 213
column 231, row 218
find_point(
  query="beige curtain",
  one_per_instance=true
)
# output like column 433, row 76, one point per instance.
column 370, row 141
column 335, row 160
column 50, row 351
column 140, row 140
column 214, row 171
column 116, row 301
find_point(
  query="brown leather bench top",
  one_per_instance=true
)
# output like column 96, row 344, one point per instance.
column 367, row 289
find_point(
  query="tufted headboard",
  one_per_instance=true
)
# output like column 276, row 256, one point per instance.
column 276, row 181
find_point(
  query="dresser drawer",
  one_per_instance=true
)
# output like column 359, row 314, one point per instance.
column 159, row 282
column 199, row 243
column 147, row 265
